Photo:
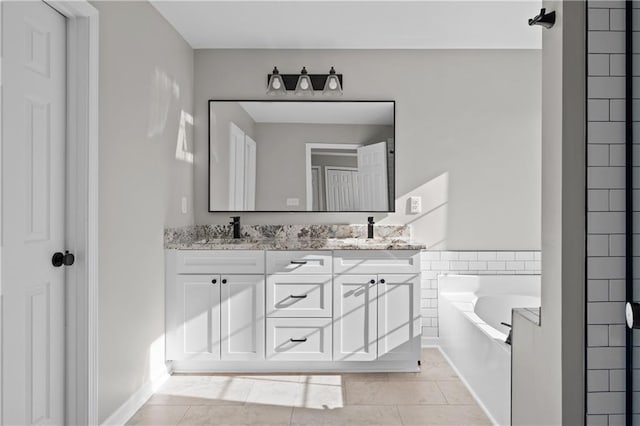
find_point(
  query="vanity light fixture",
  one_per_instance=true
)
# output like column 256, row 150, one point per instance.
column 304, row 85
column 332, row 86
column 276, row 84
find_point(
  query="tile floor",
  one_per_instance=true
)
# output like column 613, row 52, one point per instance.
column 434, row 396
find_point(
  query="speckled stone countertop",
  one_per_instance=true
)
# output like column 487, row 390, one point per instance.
column 290, row 237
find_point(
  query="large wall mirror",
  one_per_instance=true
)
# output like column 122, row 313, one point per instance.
column 319, row 156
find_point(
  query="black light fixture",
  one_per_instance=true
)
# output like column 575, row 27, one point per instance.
column 304, row 83
column 275, row 85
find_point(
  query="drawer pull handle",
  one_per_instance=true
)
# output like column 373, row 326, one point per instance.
column 298, row 262
column 298, row 340
column 302, row 296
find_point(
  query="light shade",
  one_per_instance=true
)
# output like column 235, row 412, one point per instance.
column 276, row 84
column 332, row 85
column 304, row 85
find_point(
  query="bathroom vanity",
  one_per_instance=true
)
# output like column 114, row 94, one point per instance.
column 258, row 305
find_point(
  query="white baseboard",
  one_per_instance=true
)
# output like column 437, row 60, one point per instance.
column 122, row 415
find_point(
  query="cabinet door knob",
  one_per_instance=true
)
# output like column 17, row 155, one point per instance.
column 372, row 282
column 224, row 281
column 213, row 281
column 382, row 281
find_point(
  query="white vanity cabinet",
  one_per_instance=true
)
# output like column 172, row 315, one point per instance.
column 377, row 315
column 256, row 310
column 213, row 312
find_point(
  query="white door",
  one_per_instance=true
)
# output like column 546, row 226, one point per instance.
column 198, row 302
column 249, row 174
column 372, row 171
column 398, row 329
column 355, row 318
column 33, row 199
column 236, row 168
column 341, row 189
column 242, row 322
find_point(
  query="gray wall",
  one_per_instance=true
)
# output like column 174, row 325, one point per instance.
column 146, row 91
column 467, row 135
column 222, row 114
column 280, row 165
column 548, row 359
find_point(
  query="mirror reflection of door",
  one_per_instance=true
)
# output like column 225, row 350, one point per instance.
column 342, row 188
column 242, row 170
column 372, row 171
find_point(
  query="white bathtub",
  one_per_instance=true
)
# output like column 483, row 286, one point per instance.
column 470, row 310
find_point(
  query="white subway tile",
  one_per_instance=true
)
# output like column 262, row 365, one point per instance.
column 537, row 255
column 597, row 420
column 617, row 290
column 487, row 255
column 478, row 266
column 458, row 265
column 617, row 380
column 616, row 110
column 605, row 88
column 598, row 19
column 606, row 358
column 597, row 290
column 430, row 255
column 449, row 255
column 429, row 312
column 605, row 42
column 617, row 335
column 598, row 65
column 505, row 255
column 616, row 155
column 597, row 245
column 429, row 332
column 496, row 266
column 430, row 275
column 430, row 294
column 533, row 266
column 598, row 109
column 425, row 265
column 616, row 65
column 515, row 265
column 597, row 335
column 440, row 266
column 606, row 222
column 616, row 20
column 597, row 380
column 468, row 255
column 524, row 255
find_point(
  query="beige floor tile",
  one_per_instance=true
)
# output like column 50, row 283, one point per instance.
column 365, row 377
column 457, row 415
column 391, row 393
column 158, row 415
column 323, row 379
column 432, row 356
column 351, row 415
column 456, row 393
column 202, row 390
column 296, row 394
column 234, row 415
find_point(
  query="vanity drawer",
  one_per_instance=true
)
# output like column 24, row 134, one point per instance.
column 376, row 262
column 299, row 339
column 299, row 295
column 220, row 262
column 298, row 262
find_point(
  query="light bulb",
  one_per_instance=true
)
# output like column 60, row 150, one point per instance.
column 332, row 84
column 304, row 84
column 276, row 84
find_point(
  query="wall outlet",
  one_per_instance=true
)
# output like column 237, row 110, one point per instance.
column 415, row 204
column 184, row 208
column 293, row 201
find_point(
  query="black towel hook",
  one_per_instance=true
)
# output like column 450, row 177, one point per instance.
column 547, row 20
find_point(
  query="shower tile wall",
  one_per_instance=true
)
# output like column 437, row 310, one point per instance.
column 434, row 263
column 605, row 213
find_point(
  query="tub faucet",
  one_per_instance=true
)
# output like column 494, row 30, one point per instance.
column 370, row 227
column 508, row 339
column 235, row 222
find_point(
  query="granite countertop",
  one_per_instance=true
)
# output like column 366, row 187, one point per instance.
column 290, row 237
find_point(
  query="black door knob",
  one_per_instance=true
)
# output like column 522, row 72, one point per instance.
column 224, row 281
column 65, row 258
column 382, row 281
column 372, row 282
column 213, row 281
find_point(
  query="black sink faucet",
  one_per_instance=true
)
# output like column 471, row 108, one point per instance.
column 370, row 227
column 235, row 222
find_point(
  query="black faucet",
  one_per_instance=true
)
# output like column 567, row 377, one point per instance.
column 235, row 222
column 510, row 336
column 370, row 227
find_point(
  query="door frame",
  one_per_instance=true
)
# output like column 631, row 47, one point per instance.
column 81, row 216
column 308, row 148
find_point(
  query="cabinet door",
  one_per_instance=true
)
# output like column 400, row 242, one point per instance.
column 398, row 317
column 355, row 313
column 242, row 322
column 197, row 305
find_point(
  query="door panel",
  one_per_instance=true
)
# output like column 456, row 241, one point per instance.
column 242, row 333
column 398, row 317
column 355, row 313
column 33, row 183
